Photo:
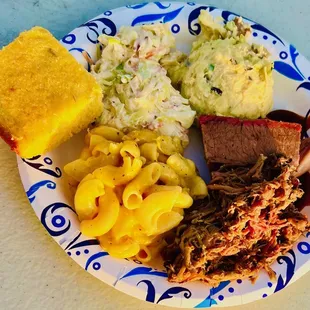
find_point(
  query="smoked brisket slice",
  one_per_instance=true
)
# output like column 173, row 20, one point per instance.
column 230, row 140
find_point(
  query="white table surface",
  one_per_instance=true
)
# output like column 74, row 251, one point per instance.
column 35, row 273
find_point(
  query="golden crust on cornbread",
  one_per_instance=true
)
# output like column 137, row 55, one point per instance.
column 46, row 96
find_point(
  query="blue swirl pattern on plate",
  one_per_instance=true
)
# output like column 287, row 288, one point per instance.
column 173, row 291
column 150, row 295
column 35, row 187
column 95, row 257
column 98, row 26
column 151, row 292
column 60, row 219
column 71, row 243
column 290, row 260
column 34, row 163
column 58, row 225
column 69, row 39
column 144, row 271
column 161, row 17
column 290, row 270
column 288, row 70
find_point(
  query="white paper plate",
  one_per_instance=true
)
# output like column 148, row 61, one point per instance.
column 47, row 190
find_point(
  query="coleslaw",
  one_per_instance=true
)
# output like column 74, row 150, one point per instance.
column 137, row 91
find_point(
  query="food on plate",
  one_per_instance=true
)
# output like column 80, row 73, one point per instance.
column 137, row 92
column 224, row 74
column 247, row 222
column 130, row 189
column 46, row 95
column 234, row 141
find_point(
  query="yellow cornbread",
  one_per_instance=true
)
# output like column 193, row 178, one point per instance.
column 46, row 96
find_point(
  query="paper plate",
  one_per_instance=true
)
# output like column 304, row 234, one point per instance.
column 47, row 190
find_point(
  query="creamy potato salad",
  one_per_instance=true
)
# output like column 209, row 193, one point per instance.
column 224, row 74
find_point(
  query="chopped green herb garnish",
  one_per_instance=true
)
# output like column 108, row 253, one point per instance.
column 120, row 67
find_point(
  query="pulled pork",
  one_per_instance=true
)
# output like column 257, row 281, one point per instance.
column 247, row 221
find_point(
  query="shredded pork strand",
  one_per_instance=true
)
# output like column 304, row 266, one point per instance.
column 247, row 222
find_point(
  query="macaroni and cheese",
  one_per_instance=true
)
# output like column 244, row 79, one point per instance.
column 131, row 189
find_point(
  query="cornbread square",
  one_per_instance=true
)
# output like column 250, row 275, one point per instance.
column 46, row 96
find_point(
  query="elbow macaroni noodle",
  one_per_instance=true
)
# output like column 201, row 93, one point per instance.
column 148, row 176
column 131, row 189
